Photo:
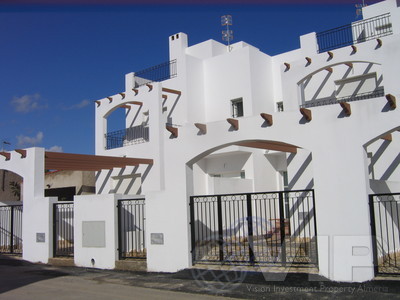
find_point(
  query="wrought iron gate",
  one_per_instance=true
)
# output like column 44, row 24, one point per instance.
column 385, row 223
column 274, row 227
column 11, row 229
column 63, row 229
column 131, row 229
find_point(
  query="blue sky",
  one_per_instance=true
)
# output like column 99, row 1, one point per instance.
column 56, row 60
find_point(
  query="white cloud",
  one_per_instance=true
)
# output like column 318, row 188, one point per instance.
column 25, row 141
column 27, row 103
column 55, row 148
column 79, row 105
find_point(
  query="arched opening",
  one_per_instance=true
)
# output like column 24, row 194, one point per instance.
column 345, row 81
column 253, row 203
column 126, row 125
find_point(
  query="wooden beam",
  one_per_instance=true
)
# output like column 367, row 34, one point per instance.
column 125, row 106
column 275, row 146
column 110, row 99
column 349, row 64
column 391, row 100
column 267, row 118
column 122, row 95
column 96, row 159
column 22, row 152
column 346, row 108
column 354, row 48
column 387, row 137
column 306, row 113
column 330, row 54
column 171, row 91
column 287, row 65
column 234, row 123
column 136, row 91
column 172, row 130
column 164, row 97
column 135, row 103
column 329, row 69
column 7, row 155
column 201, row 127
column 308, row 59
column 149, row 86
column 98, row 103
column 379, row 41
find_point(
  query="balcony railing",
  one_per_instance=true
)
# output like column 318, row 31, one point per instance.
column 129, row 136
column 354, row 33
column 379, row 92
column 157, row 73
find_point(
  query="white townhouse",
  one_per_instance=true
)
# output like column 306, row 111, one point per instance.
column 228, row 155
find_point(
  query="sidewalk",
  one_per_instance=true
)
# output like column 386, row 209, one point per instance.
column 22, row 280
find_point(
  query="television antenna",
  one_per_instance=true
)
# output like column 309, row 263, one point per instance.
column 359, row 9
column 4, row 145
column 227, row 35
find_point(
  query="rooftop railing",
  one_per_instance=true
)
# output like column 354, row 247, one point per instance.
column 156, row 73
column 354, row 33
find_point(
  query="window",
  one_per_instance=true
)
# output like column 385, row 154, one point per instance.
column 237, row 107
column 279, row 106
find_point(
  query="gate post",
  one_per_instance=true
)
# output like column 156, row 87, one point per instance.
column 220, row 231
column 373, row 233
column 192, row 229
column 250, row 228
column 12, row 229
column 282, row 228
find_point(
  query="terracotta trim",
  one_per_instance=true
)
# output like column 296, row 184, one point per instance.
column 172, row 130
column 171, row 91
column 306, row 113
column 201, row 127
column 391, row 100
column 7, row 155
column 346, row 108
column 22, row 152
column 233, row 122
column 267, row 118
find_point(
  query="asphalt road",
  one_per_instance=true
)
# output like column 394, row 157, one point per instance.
column 23, row 280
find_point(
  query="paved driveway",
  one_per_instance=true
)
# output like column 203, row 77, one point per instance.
column 22, row 280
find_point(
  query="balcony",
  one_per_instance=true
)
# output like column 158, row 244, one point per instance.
column 125, row 137
column 161, row 72
column 354, row 33
column 379, row 92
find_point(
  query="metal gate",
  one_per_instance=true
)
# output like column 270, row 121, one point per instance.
column 385, row 222
column 274, row 227
column 11, row 229
column 63, row 229
column 131, row 229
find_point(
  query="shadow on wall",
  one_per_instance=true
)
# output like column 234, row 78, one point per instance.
column 122, row 183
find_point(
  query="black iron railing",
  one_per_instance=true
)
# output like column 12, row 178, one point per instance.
column 354, row 33
column 157, row 73
column 385, row 220
column 11, row 229
column 128, row 136
column 333, row 100
column 63, row 229
column 131, row 229
column 274, row 227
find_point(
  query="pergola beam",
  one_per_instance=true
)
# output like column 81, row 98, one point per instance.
column 275, row 146
column 172, row 91
column 83, row 162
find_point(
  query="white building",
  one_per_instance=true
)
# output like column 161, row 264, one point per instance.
column 319, row 122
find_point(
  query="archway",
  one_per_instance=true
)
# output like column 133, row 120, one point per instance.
column 253, row 203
